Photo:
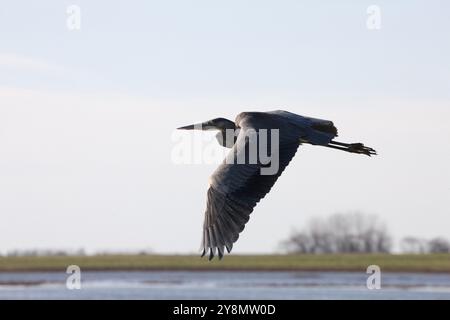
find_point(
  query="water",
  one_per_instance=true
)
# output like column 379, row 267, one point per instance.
column 223, row 285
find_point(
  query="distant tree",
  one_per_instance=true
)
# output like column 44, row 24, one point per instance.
column 414, row 245
column 422, row 246
column 439, row 245
column 341, row 233
column 299, row 242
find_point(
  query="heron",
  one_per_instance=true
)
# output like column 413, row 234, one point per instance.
column 236, row 188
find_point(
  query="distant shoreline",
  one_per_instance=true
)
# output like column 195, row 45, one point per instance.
column 430, row 263
column 220, row 270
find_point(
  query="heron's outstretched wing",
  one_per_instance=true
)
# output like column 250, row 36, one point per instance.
column 235, row 189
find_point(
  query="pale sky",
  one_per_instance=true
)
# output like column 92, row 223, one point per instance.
column 87, row 116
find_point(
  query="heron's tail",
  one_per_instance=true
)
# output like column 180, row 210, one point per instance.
column 352, row 147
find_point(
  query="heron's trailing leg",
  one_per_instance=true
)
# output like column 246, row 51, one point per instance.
column 352, row 147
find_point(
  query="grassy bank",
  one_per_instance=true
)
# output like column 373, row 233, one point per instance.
column 406, row 263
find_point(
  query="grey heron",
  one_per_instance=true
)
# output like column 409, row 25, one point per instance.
column 235, row 188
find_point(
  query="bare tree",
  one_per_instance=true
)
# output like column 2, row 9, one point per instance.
column 422, row 246
column 414, row 245
column 341, row 233
column 439, row 245
column 299, row 242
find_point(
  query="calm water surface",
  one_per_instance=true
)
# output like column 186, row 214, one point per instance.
column 223, row 285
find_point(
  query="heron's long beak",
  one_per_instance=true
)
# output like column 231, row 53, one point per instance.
column 198, row 126
column 191, row 127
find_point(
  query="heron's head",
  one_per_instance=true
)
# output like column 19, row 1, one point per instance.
column 214, row 124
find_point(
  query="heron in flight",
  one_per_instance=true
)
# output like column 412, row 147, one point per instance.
column 236, row 187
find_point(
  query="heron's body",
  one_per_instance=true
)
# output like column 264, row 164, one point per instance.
column 235, row 187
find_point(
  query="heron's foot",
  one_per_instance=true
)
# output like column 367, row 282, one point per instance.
column 352, row 147
column 362, row 149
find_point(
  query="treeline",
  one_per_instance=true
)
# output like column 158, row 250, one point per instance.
column 356, row 233
column 420, row 246
column 45, row 253
column 77, row 252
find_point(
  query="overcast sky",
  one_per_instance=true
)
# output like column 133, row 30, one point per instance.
column 87, row 116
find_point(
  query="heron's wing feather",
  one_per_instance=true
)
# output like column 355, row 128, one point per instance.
column 236, row 188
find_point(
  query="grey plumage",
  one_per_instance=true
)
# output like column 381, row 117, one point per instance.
column 235, row 189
